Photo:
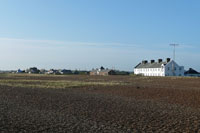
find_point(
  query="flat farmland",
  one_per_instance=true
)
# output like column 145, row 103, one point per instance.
column 125, row 104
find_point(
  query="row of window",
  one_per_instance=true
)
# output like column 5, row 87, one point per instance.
column 157, row 69
column 174, row 68
column 150, row 69
column 159, row 74
column 153, row 74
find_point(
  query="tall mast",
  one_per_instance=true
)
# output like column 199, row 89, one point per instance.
column 174, row 57
column 174, row 51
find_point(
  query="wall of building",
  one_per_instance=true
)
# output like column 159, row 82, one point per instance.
column 103, row 73
column 93, row 73
column 150, row 71
column 178, row 70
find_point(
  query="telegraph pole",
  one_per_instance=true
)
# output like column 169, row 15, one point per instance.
column 174, row 57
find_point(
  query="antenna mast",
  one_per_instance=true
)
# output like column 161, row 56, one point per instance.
column 174, row 57
column 174, row 52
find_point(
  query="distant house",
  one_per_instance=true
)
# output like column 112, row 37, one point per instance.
column 193, row 73
column 94, row 72
column 33, row 70
column 52, row 71
column 102, row 71
column 20, row 71
column 64, row 71
column 160, row 68
column 107, row 72
column 43, row 71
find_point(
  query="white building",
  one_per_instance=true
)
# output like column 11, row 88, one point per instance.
column 160, row 68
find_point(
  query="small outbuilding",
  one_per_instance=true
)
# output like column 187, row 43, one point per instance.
column 192, row 73
column 53, row 71
column 64, row 71
column 102, row 71
column 107, row 72
column 32, row 70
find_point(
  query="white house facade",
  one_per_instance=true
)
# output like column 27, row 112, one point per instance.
column 160, row 68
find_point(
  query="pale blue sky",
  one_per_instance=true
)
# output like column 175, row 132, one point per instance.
column 85, row 34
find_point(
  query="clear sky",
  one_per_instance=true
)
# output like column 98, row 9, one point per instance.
column 86, row 34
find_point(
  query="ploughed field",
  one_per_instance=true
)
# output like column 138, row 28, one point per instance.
column 39, row 103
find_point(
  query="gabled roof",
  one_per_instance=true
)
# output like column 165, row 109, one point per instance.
column 191, row 71
column 151, row 65
column 104, row 70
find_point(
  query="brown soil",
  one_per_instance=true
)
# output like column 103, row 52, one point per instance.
column 139, row 104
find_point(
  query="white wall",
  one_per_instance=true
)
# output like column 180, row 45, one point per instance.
column 150, row 71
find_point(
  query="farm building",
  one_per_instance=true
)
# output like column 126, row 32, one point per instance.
column 102, row 71
column 160, row 68
column 52, row 71
column 192, row 73
column 32, row 70
column 43, row 71
column 64, row 71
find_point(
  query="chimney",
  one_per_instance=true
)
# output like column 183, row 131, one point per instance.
column 159, row 60
column 152, row 61
column 168, row 60
column 144, row 62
